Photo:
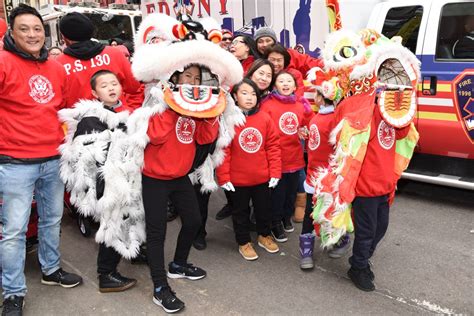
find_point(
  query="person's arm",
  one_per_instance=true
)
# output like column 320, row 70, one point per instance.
column 133, row 89
column 223, row 171
column 161, row 125
column 303, row 62
column 207, row 130
column 273, row 150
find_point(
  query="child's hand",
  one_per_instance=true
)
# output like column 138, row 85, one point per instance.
column 273, row 183
column 228, row 186
column 303, row 132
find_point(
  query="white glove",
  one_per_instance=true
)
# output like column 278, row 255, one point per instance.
column 228, row 186
column 273, row 182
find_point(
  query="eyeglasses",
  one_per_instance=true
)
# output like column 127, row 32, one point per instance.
column 227, row 39
column 235, row 42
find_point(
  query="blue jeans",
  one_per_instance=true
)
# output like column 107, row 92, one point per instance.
column 17, row 184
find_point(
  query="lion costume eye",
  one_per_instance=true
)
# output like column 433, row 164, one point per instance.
column 346, row 52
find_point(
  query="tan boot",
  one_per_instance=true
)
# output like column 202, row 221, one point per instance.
column 268, row 243
column 248, row 252
column 300, row 205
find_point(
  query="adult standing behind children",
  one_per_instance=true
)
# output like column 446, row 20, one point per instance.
column 265, row 38
column 32, row 90
column 84, row 57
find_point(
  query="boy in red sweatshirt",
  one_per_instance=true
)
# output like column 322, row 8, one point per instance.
column 252, row 166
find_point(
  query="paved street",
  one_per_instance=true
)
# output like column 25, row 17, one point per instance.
column 423, row 266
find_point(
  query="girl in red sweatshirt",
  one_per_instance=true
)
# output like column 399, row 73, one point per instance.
column 289, row 113
column 251, row 167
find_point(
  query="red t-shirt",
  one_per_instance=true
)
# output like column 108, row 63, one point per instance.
column 172, row 147
column 253, row 156
column 288, row 114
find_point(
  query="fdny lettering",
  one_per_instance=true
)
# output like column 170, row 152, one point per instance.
column 97, row 61
column 204, row 6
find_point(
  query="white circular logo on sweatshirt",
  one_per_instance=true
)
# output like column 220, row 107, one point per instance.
column 314, row 139
column 288, row 123
column 386, row 135
column 185, row 128
column 41, row 89
column 250, row 140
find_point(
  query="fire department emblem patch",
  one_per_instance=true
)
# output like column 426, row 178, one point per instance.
column 386, row 135
column 314, row 139
column 41, row 89
column 250, row 140
column 463, row 87
column 288, row 123
column 185, row 128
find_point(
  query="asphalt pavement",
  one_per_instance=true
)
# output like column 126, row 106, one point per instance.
column 423, row 266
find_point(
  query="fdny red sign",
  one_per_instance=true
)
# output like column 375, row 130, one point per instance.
column 463, row 86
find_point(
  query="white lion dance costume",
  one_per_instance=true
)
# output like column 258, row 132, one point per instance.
column 163, row 45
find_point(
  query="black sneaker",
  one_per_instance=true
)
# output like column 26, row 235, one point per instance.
column 279, row 233
column 361, row 279
column 200, row 243
column 187, row 272
column 13, row 306
column 224, row 212
column 114, row 282
column 167, row 299
column 62, row 278
column 288, row 225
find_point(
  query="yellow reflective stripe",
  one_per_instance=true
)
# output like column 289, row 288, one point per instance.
column 437, row 116
column 442, row 87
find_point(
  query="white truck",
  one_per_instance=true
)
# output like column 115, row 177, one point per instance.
column 109, row 23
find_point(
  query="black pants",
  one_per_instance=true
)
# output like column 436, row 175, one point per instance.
column 155, row 198
column 203, row 202
column 228, row 197
column 107, row 259
column 371, row 216
column 284, row 197
column 260, row 195
column 308, row 226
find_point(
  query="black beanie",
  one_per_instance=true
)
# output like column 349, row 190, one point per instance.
column 76, row 27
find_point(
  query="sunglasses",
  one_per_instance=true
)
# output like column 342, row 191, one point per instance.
column 227, row 39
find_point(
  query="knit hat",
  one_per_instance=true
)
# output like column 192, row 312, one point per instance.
column 265, row 32
column 76, row 27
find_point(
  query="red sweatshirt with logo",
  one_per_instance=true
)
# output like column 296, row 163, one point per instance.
column 318, row 146
column 111, row 59
column 289, row 114
column 31, row 93
column 376, row 176
column 254, row 155
column 172, row 147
